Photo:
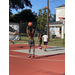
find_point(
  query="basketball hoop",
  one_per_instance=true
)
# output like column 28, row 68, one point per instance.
column 61, row 19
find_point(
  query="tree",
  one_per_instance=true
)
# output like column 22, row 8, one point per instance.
column 27, row 16
column 54, row 15
column 42, row 18
column 18, row 4
column 24, row 16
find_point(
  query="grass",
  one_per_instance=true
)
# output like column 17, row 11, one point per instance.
column 52, row 42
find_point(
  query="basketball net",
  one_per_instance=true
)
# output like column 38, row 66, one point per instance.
column 61, row 19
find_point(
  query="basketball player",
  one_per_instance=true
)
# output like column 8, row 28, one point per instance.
column 30, row 32
column 40, row 34
column 45, row 39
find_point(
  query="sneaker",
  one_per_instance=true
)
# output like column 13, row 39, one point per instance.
column 29, row 55
column 39, row 48
column 33, row 55
column 45, row 50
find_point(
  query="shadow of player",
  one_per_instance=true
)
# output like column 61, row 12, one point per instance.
column 48, row 56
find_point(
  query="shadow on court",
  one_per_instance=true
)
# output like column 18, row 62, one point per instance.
column 48, row 56
column 49, row 73
column 54, row 49
column 21, row 46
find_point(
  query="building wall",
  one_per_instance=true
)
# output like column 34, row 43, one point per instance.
column 53, row 30
column 60, row 12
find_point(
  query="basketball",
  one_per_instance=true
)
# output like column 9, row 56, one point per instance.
column 30, row 24
column 47, row 7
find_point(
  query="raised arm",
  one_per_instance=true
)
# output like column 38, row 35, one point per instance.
column 33, row 30
column 38, row 36
column 27, row 31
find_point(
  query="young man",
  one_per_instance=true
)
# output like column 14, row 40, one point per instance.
column 45, row 39
column 40, row 39
column 30, row 32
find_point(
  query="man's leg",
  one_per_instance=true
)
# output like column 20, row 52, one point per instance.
column 39, row 47
column 45, row 45
column 39, row 43
column 33, row 45
column 11, row 41
column 33, row 51
column 29, row 52
column 29, row 48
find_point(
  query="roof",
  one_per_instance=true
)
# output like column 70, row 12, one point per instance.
column 60, row 6
column 55, row 23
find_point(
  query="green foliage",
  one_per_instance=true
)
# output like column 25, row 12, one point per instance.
column 27, row 16
column 24, row 16
column 18, row 4
column 52, row 42
column 42, row 18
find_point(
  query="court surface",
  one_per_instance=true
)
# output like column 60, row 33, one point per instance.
column 51, row 62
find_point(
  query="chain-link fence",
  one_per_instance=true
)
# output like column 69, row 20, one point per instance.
column 23, row 33
column 12, row 28
column 23, row 26
column 53, row 39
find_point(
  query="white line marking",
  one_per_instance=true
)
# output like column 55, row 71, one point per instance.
column 35, row 58
column 17, row 56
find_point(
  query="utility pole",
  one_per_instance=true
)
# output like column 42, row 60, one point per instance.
column 48, row 19
column 39, row 20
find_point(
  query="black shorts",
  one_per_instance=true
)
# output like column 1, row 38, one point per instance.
column 45, row 43
column 31, row 42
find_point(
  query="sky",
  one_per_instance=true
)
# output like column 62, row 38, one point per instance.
column 39, row 4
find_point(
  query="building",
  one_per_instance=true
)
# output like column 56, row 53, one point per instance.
column 57, row 28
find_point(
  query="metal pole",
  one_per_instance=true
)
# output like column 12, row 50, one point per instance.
column 48, row 18
column 63, row 32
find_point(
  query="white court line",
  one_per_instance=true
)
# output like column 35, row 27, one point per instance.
column 35, row 58
column 17, row 56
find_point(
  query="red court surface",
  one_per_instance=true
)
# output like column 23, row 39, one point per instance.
column 20, row 64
